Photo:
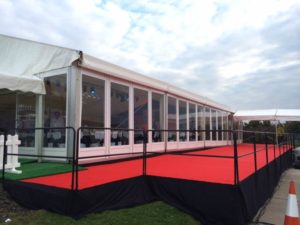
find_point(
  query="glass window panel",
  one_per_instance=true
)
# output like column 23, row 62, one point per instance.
column 230, row 121
column 119, row 113
column 225, row 125
column 140, row 114
column 192, row 121
column 172, row 122
column 207, row 123
column 220, row 126
column 214, row 124
column 55, row 111
column 158, row 117
column 26, row 119
column 93, row 102
column 240, row 128
column 201, row 123
column 182, row 120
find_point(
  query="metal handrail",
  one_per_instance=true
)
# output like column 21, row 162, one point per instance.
column 145, row 154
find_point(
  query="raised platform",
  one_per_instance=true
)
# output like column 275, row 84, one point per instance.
column 201, row 183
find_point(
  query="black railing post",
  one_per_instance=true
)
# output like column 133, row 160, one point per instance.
column 280, row 157
column 166, row 139
column 73, row 158
column 267, row 160
column 236, row 166
column 275, row 147
column 291, row 149
column 267, row 150
column 145, row 139
column 255, row 156
column 4, row 155
column 76, row 158
column 283, row 144
column 294, row 144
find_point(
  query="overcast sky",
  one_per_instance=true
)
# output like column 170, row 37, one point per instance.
column 245, row 54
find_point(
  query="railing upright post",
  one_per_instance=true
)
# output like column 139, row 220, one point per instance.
column 73, row 158
column 4, row 155
column 267, row 150
column 274, row 147
column 166, row 137
column 283, row 145
column 255, row 156
column 145, row 135
column 236, row 166
column 76, row 158
column 280, row 157
column 291, row 149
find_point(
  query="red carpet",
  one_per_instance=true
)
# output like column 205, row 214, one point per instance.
column 189, row 166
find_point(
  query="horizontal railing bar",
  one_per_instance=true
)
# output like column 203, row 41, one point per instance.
column 204, row 155
column 45, row 156
column 108, row 155
column 251, row 153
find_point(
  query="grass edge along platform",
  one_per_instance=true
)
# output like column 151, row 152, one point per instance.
column 32, row 169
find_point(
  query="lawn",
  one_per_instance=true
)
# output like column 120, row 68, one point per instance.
column 156, row 213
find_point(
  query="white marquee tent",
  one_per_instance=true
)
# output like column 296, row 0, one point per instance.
column 268, row 114
column 23, row 61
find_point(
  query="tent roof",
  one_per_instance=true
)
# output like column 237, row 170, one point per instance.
column 268, row 114
column 21, row 61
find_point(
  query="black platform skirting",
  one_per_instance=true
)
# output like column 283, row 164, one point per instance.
column 210, row 203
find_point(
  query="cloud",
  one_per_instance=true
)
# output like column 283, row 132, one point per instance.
column 230, row 51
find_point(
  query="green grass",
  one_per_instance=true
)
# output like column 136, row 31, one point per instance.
column 31, row 168
column 156, row 213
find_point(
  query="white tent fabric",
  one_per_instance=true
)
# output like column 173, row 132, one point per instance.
column 269, row 114
column 288, row 114
column 21, row 60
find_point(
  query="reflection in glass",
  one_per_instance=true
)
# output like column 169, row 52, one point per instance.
column 207, row 123
column 172, row 124
column 26, row 119
column 214, row 124
column 220, row 128
column 92, row 112
column 119, row 113
column 140, row 114
column 55, row 111
column 192, row 121
column 201, row 123
column 182, row 120
column 157, row 117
